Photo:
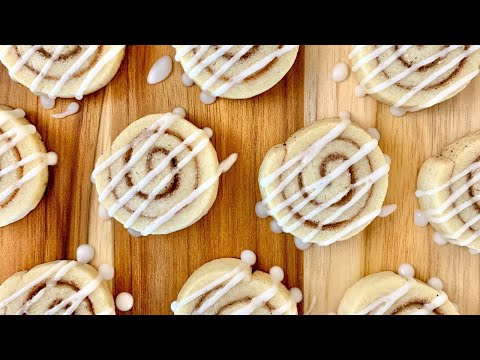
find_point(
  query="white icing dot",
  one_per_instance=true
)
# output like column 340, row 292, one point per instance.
column 344, row 115
column 340, row 72
column 420, row 218
column 18, row 113
column 174, row 306
column 473, row 251
column 186, row 80
column 360, row 91
column 85, row 253
column 406, row 271
column 52, row 159
column 261, row 210
column 103, row 212
column 124, row 301
column 47, row 102
column 397, row 112
column 71, row 109
column 207, row 98
column 435, row 283
column 160, row 70
column 300, row 244
column 297, row 295
column 277, row 274
column 106, row 271
column 277, row 229
column 208, row 131
column 248, row 257
column 388, row 160
column 374, row 133
column 26, row 130
column 387, row 210
column 439, row 239
column 180, row 111
column 134, row 233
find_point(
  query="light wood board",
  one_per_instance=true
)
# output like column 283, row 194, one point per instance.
column 154, row 268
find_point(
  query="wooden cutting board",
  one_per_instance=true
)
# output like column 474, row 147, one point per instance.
column 154, row 268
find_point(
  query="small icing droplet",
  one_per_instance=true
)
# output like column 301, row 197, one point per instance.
column 301, row 245
column 275, row 227
column 160, row 70
column 186, row 80
column 208, row 131
column 71, row 109
column 103, row 213
column 439, row 239
column 134, row 233
column 406, row 271
column 18, row 113
column 397, row 112
column 360, row 91
column 174, row 306
column 387, row 210
column 207, row 98
column 388, row 160
column 340, row 72
column 85, row 253
column 27, row 130
column 106, row 271
column 374, row 133
column 47, row 103
column 52, row 159
column 420, row 218
column 261, row 210
column 435, row 283
column 124, row 301
column 180, row 111
column 345, row 115
column 297, row 295
column 248, row 257
column 473, row 251
column 277, row 274
column 226, row 164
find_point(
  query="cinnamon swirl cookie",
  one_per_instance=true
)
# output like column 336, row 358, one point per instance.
column 413, row 77
column 161, row 175
column 64, row 287
column 23, row 166
column 449, row 193
column 326, row 183
column 228, row 287
column 64, row 71
column 388, row 293
column 235, row 71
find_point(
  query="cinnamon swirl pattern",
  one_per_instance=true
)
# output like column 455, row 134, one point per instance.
column 65, row 287
column 413, row 77
column 23, row 166
column 64, row 71
column 161, row 175
column 448, row 191
column 387, row 293
column 326, row 183
column 228, row 287
column 235, row 71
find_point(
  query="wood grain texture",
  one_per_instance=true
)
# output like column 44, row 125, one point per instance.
column 391, row 241
column 153, row 268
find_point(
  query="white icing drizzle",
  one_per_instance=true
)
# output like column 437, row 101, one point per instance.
column 71, row 109
column 387, row 210
column 261, row 210
column 46, row 102
column 314, row 189
column 340, row 72
column 374, row 133
column 193, row 67
column 186, row 80
column 385, row 303
column 300, row 245
column 34, row 85
column 85, row 253
column 434, row 216
column 12, row 137
column 397, row 109
column 275, row 227
column 180, row 111
column 103, row 213
column 124, row 301
column 160, row 70
column 151, row 135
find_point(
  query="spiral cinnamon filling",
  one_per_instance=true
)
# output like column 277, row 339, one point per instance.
column 66, row 56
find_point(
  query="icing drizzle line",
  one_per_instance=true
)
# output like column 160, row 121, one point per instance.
column 12, row 137
column 151, row 135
